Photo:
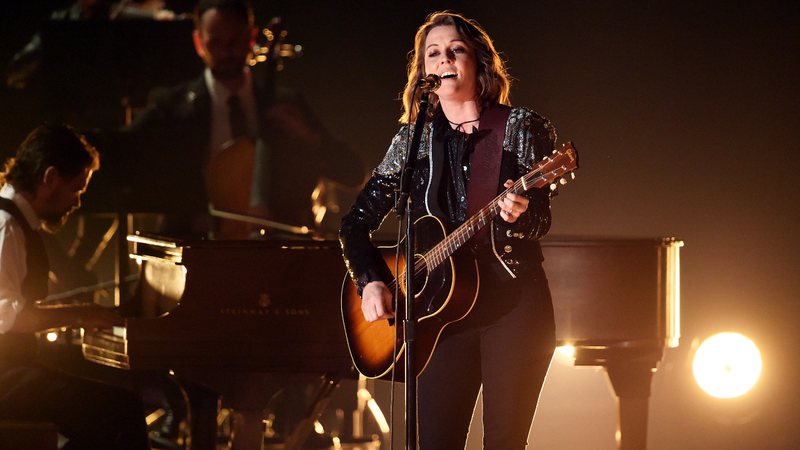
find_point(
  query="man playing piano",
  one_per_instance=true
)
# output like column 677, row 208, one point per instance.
column 41, row 186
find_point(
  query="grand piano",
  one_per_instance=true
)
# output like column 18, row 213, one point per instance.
column 246, row 317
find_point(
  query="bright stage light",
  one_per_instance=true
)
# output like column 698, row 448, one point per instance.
column 567, row 350
column 727, row 365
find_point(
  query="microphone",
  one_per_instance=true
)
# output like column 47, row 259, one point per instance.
column 431, row 82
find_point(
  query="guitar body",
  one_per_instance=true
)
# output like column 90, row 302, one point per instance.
column 443, row 296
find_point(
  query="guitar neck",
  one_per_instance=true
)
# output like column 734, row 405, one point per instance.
column 444, row 249
column 546, row 171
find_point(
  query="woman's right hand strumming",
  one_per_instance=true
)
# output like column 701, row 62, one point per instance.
column 376, row 302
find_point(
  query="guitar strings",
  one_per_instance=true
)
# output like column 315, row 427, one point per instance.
column 440, row 251
column 464, row 232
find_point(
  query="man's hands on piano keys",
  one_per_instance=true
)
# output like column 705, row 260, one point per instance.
column 91, row 316
column 35, row 318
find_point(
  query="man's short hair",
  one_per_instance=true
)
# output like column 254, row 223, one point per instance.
column 59, row 146
column 240, row 8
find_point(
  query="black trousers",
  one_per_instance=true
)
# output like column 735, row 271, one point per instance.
column 504, row 345
column 92, row 415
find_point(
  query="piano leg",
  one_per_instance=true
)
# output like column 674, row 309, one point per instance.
column 203, row 406
column 633, row 423
column 631, row 382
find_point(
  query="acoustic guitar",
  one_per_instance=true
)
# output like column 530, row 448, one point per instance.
column 446, row 279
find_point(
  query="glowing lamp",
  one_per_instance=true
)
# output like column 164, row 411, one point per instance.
column 567, row 351
column 727, row 365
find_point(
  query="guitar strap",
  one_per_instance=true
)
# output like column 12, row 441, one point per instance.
column 485, row 160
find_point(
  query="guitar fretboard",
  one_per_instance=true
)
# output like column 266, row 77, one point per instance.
column 444, row 249
column 545, row 172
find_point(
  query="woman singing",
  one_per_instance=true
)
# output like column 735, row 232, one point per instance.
column 473, row 145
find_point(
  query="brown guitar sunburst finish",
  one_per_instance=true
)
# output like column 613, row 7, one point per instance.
column 447, row 295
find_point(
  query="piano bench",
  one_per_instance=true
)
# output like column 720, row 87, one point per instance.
column 28, row 435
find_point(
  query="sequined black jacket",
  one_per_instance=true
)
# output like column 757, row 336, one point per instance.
column 515, row 247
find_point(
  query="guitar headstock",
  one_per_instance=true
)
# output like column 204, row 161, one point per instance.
column 552, row 169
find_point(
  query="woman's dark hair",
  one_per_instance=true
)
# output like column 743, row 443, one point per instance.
column 58, row 146
column 493, row 80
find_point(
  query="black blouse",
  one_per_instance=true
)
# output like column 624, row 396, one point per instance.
column 457, row 147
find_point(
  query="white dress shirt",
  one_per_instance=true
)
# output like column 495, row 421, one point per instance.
column 220, row 136
column 13, row 261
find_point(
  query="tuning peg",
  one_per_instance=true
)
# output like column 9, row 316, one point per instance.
column 553, row 186
column 572, row 175
column 562, row 181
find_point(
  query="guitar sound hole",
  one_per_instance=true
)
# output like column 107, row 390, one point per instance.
column 420, row 280
column 426, row 287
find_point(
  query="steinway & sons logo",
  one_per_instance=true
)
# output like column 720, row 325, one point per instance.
column 263, row 306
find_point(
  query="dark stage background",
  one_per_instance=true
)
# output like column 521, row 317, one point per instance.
column 686, row 118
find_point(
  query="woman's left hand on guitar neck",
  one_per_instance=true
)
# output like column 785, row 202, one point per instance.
column 512, row 205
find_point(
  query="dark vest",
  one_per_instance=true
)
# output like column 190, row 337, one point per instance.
column 17, row 348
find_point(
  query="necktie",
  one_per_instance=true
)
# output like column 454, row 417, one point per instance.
column 236, row 117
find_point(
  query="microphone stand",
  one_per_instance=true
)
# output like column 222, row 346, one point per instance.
column 403, row 207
